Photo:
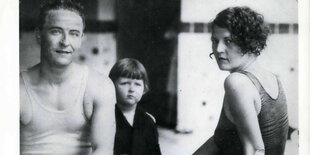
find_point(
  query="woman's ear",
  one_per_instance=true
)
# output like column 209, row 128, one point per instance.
column 37, row 33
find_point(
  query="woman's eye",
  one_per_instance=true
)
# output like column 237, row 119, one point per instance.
column 228, row 41
column 214, row 41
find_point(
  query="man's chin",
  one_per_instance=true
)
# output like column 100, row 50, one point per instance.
column 63, row 63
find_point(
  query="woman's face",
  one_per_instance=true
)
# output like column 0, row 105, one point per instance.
column 228, row 55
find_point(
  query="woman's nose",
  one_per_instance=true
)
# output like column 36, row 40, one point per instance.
column 220, row 47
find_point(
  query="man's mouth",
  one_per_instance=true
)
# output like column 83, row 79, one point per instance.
column 63, row 52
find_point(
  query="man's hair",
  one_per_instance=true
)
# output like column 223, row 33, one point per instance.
column 70, row 5
column 247, row 28
column 130, row 68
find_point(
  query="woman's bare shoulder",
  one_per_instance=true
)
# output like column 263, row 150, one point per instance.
column 239, row 92
column 239, row 89
column 237, row 81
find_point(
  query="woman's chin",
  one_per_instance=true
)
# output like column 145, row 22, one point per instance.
column 223, row 68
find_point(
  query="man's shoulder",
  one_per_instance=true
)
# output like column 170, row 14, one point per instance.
column 29, row 74
column 95, row 75
column 99, row 84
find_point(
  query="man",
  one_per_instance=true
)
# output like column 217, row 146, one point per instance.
column 65, row 108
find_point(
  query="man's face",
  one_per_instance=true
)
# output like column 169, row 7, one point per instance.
column 60, row 37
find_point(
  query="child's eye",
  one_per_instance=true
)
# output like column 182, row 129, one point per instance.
column 124, row 83
column 138, row 84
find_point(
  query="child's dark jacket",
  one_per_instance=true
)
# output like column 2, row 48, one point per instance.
column 139, row 139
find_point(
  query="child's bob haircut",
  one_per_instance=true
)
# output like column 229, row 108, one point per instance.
column 130, row 68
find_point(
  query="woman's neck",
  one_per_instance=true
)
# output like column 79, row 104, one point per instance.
column 248, row 65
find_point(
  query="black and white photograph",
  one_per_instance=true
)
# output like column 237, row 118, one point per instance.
column 156, row 77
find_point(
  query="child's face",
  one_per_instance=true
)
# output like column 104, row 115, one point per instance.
column 129, row 91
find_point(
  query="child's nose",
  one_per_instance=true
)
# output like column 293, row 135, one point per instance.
column 131, row 88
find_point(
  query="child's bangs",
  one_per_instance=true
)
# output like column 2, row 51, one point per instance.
column 132, row 73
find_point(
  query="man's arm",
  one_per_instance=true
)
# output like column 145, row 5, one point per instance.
column 24, row 108
column 103, row 117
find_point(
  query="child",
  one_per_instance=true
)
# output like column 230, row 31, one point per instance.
column 136, row 131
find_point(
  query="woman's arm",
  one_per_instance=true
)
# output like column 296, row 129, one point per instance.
column 208, row 148
column 240, row 94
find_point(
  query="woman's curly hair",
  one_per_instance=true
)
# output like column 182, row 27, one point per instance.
column 247, row 28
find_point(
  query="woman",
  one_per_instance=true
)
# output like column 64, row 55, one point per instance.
column 254, row 119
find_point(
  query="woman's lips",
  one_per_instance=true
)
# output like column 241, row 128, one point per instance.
column 222, row 59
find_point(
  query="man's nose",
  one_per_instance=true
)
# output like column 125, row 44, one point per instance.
column 65, row 41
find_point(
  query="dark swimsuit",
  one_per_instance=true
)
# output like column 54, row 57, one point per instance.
column 273, row 122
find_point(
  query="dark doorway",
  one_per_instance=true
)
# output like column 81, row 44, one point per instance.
column 144, row 29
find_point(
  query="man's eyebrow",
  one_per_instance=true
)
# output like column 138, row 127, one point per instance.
column 54, row 27
column 75, row 30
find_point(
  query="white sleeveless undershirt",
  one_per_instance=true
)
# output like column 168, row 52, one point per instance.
column 56, row 132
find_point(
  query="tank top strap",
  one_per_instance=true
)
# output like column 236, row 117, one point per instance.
column 254, row 80
column 26, row 81
column 83, row 83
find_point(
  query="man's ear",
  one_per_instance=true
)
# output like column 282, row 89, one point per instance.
column 37, row 33
column 83, row 37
